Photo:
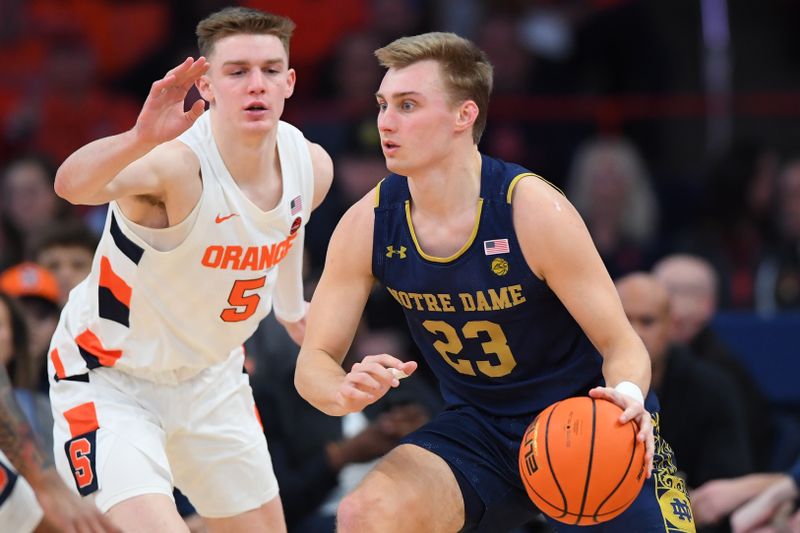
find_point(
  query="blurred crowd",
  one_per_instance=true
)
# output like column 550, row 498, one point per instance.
column 586, row 94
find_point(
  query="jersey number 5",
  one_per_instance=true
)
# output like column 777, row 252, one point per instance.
column 244, row 304
column 452, row 346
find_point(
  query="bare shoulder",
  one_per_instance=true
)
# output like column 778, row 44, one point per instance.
column 547, row 225
column 174, row 161
column 537, row 201
column 322, row 166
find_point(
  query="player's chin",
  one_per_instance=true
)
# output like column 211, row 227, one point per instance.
column 262, row 125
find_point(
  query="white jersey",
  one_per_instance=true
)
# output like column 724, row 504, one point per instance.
column 147, row 312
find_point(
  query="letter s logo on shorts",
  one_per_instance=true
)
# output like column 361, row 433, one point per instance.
column 81, row 455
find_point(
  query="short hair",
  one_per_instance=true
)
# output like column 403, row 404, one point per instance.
column 242, row 20
column 69, row 234
column 466, row 69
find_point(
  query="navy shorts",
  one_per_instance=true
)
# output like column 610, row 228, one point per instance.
column 482, row 452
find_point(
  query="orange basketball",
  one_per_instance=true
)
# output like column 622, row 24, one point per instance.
column 579, row 465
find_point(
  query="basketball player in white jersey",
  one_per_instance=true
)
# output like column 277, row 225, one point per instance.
column 205, row 226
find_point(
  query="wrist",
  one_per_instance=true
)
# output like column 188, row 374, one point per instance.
column 631, row 389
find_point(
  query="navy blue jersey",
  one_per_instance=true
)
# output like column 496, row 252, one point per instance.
column 494, row 334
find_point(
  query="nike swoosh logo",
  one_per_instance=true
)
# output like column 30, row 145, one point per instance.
column 221, row 219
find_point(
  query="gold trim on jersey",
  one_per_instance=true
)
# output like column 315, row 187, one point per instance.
column 378, row 193
column 455, row 255
column 525, row 175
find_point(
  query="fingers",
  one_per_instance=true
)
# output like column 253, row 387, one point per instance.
column 386, row 368
column 632, row 409
column 189, row 70
column 369, row 379
column 177, row 82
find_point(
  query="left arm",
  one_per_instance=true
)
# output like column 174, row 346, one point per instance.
column 559, row 250
column 290, row 304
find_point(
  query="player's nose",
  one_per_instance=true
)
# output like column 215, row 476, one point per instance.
column 386, row 120
column 256, row 84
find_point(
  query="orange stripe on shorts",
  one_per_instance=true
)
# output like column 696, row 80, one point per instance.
column 82, row 419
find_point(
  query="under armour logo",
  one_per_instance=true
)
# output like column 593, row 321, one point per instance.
column 390, row 252
column 681, row 509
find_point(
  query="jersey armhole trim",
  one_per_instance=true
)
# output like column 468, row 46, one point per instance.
column 518, row 177
column 378, row 193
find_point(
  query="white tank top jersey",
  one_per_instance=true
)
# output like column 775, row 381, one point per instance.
column 146, row 311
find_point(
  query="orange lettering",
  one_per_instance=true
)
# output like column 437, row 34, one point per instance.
column 232, row 255
column 250, row 259
column 213, row 256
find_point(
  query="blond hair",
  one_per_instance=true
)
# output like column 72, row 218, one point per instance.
column 465, row 68
column 639, row 217
column 241, row 20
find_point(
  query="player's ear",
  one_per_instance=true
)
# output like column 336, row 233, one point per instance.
column 467, row 115
column 291, row 78
column 204, row 88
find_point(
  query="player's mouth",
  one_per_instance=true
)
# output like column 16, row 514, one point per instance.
column 390, row 147
column 256, row 109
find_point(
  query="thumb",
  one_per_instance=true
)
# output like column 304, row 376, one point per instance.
column 197, row 109
column 409, row 367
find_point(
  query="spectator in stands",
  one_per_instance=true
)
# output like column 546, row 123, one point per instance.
column 66, row 250
column 700, row 406
column 692, row 283
column 17, row 360
column 28, row 204
column 37, row 291
column 611, row 189
column 737, row 228
column 778, row 281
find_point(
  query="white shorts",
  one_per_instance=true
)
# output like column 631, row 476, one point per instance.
column 118, row 436
column 19, row 509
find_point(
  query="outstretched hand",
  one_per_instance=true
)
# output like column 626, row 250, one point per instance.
column 632, row 409
column 162, row 117
column 369, row 379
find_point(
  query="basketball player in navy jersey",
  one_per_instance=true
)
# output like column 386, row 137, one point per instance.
column 504, row 293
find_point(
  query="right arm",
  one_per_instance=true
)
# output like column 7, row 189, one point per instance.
column 333, row 318
column 112, row 168
column 62, row 509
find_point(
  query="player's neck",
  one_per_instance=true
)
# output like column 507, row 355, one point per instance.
column 248, row 158
column 453, row 185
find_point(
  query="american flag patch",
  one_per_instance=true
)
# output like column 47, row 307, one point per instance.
column 495, row 246
column 296, row 204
